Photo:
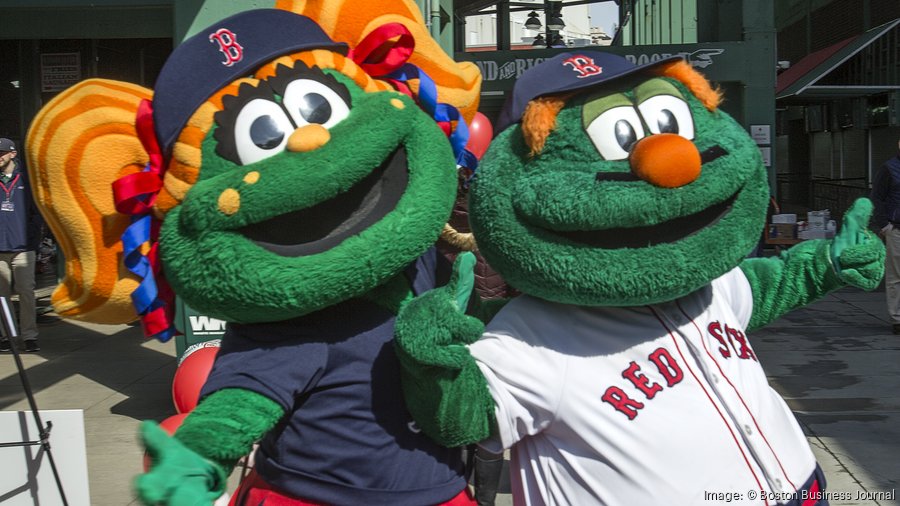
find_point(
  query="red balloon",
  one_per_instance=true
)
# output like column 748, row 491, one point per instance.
column 480, row 134
column 191, row 375
column 172, row 423
column 169, row 425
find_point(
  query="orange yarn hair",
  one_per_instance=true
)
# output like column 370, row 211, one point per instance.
column 699, row 86
column 539, row 119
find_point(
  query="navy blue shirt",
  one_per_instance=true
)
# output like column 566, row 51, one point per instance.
column 347, row 437
column 20, row 221
column 886, row 193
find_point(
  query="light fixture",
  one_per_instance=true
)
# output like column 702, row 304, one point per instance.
column 554, row 15
column 533, row 23
column 539, row 41
column 555, row 22
column 558, row 41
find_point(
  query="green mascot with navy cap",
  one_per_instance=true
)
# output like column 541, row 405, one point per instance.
column 290, row 184
column 622, row 202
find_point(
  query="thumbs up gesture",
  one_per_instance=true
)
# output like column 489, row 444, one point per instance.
column 433, row 328
column 445, row 390
column 857, row 255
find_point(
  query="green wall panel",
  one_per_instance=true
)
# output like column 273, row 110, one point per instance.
column 87, row 22
column 662, row 22
column 192, row 16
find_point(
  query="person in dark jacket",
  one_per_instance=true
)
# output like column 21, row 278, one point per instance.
column 19, row 237
column 886, row 197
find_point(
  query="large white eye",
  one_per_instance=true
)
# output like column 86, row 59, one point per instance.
column 666, row 114
column 261, row 130
column 615, row 132
column 309, row 102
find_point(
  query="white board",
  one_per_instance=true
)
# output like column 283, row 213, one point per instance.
column 27, row 478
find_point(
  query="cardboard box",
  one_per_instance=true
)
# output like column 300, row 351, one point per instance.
column 782, row 231
column 784, row 218
column 816, row 234
column 818, row 220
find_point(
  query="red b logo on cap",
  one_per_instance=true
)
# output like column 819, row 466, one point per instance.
column 229, row 46
column 584, row 65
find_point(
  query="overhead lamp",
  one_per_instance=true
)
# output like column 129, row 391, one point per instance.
column 554, row 15
column 539, row 41
column 533, row 23
column 555, row 22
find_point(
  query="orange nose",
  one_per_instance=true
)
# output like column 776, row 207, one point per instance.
column 665, row 160
column 308, row 138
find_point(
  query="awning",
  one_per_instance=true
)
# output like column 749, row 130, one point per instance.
column 801, row 78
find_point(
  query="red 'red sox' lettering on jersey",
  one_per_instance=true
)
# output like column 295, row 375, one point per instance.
column 666, row 365
column 623, row 381
column 735, row 340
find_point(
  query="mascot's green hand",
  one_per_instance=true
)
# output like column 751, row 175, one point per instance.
column 857, row 255
column 433, row 328
column 179, row 477
column 444, row 389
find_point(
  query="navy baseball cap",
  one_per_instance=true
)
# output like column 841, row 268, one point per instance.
column 232, row 48
column 567, row 71
column 6, row 145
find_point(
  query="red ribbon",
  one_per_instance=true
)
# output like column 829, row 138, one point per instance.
column 147, row 135
column 156, row 321
column 374, row 55
column 136, row 193
column 384, row 58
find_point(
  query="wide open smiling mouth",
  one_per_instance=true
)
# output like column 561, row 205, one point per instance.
column 662, row 233
column 325, row 225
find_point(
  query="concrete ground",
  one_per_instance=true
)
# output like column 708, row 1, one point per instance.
column 836, row 362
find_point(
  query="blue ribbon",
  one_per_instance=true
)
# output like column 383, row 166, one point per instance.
column 146, row 296
column 441, row 112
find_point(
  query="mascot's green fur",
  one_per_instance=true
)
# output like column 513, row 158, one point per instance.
column 304, row 219
column 383, row 219
column 624, row 203
column 299, row 194
column 545, row 202
column 328, row 223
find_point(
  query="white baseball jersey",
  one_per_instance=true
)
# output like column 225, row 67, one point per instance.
column 660, row 404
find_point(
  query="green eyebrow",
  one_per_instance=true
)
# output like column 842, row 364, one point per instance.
column 596, row 105
column 654, row 87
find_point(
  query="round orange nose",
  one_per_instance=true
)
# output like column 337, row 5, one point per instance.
column 665, row 160
column 308, row 138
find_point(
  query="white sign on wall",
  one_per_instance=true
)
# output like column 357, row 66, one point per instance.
column 59, row 70
column 761, row 134
column 766, row 153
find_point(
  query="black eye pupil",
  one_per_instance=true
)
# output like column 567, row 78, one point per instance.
column 625, row 134
column 667, row 122
column 315, row 108
column 265, row 132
